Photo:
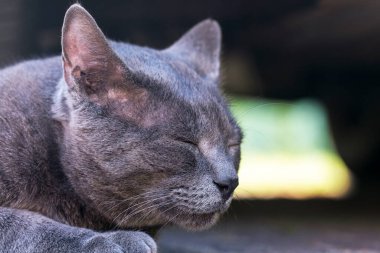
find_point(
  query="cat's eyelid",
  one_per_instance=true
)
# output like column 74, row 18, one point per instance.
column 235, row 139
column 186, row 140
column 190, row 142
column 234, row 144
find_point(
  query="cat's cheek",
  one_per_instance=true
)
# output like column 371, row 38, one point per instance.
column 236, row 156
column 161, row 157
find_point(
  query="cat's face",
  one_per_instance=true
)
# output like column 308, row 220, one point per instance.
column 149, row 139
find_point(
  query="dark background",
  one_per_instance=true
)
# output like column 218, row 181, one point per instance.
column 289, row 49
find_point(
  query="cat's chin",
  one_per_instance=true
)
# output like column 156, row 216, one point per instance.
column 196, row 222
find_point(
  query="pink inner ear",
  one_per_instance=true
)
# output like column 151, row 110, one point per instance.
column 83, row 43
column 71, row 52
column 80, row 48
column 85, row 50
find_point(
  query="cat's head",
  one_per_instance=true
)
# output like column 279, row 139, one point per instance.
column 148, row 137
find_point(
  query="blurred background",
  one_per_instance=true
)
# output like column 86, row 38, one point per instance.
column 303, row 80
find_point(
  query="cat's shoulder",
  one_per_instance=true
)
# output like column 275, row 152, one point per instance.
column 31, row 75
column 36, row 67
column 27, row 87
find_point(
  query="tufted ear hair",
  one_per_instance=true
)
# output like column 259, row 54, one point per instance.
column 200, row 46
column 89, row 62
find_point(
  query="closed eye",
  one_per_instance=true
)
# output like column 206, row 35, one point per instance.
column 187, row 141
column 234, row 145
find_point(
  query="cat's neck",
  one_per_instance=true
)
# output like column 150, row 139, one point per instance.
column 60, row 107
column 71, row 209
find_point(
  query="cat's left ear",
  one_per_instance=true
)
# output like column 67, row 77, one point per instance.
column 89, row 63
column 200, row 46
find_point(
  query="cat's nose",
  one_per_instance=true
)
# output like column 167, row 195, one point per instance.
column 227, row 186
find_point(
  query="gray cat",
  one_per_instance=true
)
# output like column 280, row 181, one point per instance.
column 112, row 137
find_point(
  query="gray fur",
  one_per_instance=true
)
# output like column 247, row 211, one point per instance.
column 120, row 137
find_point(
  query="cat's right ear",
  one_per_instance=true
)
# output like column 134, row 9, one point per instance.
column 89, row 63
column 201, row 46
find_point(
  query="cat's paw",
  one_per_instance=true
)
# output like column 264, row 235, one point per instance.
column 120, row 242
column 100, row 244
column 132, row 241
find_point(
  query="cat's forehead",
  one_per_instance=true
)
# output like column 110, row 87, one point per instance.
column 171, row 71
column 191, row 92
